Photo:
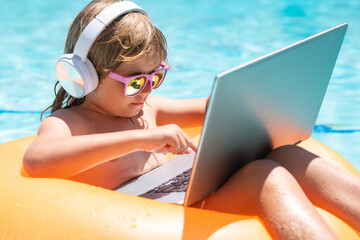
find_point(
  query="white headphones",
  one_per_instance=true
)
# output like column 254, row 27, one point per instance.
column 75, row 72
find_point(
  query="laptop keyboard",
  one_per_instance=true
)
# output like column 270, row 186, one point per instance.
column 176, row 184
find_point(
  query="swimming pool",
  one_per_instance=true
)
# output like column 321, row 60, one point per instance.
column 204, row 38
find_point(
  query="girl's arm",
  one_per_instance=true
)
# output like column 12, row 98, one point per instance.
column 183, row 112
column 56, row 153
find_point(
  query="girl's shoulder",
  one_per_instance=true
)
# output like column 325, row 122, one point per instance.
column 161, row 103
column 153, row 103
column 66, row 121
column 154, row 100
column 70, row 116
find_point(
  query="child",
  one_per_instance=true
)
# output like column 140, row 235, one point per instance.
column 117, row 131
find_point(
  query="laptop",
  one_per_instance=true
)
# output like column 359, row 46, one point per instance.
column 254, row 108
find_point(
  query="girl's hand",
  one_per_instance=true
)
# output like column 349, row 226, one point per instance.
column 168, row 138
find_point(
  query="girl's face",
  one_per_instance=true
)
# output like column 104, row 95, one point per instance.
column 109, row 97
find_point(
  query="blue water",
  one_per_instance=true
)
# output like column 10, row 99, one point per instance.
column 204, row 38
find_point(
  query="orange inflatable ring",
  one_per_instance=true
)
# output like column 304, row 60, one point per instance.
column 45, row 208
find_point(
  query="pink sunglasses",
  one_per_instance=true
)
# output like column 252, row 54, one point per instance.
column 135, row 84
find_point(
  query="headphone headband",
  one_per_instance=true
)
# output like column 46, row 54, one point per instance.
column 98, row 24
column 75, row 72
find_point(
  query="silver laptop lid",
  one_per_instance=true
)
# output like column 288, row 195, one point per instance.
column 271, row 101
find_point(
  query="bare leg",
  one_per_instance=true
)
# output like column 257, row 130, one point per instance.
column 265, row 188
column 325, row 184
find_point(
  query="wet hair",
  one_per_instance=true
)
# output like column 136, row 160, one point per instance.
column 127, row 38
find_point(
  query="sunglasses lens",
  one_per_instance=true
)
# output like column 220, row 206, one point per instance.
column 135, row 86
column 158, row 78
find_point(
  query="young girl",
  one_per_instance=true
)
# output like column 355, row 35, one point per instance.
column 117, row 131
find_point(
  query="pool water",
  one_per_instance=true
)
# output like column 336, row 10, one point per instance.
column 204, row 38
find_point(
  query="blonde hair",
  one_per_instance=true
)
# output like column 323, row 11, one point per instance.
column 127, row 38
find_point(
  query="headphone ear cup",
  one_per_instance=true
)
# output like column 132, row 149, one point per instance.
column 92, row 78
column 78, row 78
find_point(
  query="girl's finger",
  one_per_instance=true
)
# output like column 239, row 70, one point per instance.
column 190, row 143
